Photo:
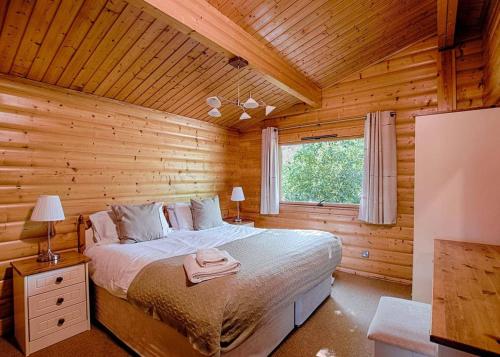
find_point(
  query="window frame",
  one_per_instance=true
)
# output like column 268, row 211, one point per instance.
column 325, row 205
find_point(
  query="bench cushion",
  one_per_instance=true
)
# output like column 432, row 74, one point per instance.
column 403, row 323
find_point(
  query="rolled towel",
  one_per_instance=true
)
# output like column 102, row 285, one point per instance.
column 197, row 274
column 210, row 257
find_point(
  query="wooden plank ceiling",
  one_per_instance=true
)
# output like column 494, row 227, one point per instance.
column 471, row 17
column 328, row 40
column 110, row 48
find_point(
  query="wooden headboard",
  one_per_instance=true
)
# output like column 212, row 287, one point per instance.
column 85, row 223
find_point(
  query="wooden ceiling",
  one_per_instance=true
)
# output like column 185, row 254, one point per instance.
column 111, row 48
column 471, row 17
column 328, row 40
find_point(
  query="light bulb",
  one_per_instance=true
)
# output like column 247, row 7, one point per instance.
column 214, row 102
column 269, row 109
column 251, row 103
column 244, row 116
column 214, row 112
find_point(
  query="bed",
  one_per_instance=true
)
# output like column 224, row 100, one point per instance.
column 142, row 296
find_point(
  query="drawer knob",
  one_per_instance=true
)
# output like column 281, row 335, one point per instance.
column 60, row 322
column 59, row 280
column 60, row 301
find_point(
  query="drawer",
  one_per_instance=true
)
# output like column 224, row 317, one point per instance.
column 57, row 321
column 43, row 282
column 56, row 299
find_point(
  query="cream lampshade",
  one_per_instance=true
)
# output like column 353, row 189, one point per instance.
column 48, row 209
column 237, row 196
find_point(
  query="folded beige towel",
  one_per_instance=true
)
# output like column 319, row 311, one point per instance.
column 210, row 257
column 197, row 274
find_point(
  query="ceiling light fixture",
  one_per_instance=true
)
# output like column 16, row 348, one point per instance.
column 215, row 102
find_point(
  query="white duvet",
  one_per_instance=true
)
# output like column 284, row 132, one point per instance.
column 114, row 266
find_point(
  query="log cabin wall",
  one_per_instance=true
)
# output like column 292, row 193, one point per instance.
column 94, row 152
column 406, row 83
column 492, row 58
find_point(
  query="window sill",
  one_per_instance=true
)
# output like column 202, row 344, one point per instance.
column 325, row 205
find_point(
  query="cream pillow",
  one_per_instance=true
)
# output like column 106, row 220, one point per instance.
column 184, row 217
column 206, row 213
column 171, row 216
column 180, row 217
column 104, row 227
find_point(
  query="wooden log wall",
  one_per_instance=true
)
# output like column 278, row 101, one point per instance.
column 492, row 57
column 93, row 152
column 406, row 83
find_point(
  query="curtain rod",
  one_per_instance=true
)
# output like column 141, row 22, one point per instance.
column 354, row 118
column 359, row 117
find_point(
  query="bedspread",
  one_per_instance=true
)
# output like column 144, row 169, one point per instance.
column 219, row 314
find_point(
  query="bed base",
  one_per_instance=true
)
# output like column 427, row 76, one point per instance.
column 308, row 302
column 149, row 337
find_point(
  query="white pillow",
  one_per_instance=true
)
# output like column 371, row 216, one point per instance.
column 164, row 224
column 89, row 238
column 180, row 216
column 104, row 227
column 171, row 216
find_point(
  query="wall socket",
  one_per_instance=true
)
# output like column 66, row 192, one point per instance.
column 365, row 254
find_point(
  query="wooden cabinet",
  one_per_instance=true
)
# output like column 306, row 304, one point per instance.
column 50, row 300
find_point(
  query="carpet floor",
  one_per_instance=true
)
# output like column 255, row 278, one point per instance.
column 337, row 328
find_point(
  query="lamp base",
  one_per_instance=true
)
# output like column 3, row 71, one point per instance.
column 48, row 256
column 237, row 219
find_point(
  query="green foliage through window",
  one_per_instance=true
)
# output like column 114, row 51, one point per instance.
column 329, row 171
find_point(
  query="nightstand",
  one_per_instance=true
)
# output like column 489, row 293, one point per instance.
column 51, row 300
column 244, row 222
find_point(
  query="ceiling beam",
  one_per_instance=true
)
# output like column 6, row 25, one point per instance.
column 446, row 81
column 446, row 22
column 204, row 23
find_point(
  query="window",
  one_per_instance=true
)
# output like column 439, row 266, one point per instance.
column 326, row 171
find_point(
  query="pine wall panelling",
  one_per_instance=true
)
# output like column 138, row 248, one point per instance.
column 94, row 152
column 406, row 83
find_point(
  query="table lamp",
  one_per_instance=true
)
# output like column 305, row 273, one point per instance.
column 237, row 196
column 48, row 209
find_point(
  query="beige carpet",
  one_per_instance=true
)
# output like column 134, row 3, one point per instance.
column 337, row 329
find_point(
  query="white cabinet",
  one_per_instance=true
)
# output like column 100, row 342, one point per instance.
column 50, row 301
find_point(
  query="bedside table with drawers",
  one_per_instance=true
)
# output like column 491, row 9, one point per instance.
column 244, row 222
column 51, row 300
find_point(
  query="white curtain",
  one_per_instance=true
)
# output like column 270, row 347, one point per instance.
column 269, row 188
column 379, row 197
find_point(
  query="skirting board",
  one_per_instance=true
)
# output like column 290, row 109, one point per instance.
column 374, row 276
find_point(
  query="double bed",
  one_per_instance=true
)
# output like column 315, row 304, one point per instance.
column 141, row 293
